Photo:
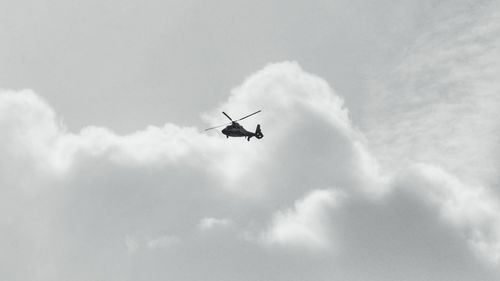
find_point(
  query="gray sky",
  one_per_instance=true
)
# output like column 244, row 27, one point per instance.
column 170, row 60
column 379, row 160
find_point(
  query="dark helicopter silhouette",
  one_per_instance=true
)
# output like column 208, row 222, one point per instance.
column 234, row 129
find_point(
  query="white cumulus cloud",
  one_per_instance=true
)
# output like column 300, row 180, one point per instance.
column 307, row 224
column 74, row 202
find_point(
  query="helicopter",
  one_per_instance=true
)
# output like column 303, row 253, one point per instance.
column 234, row 129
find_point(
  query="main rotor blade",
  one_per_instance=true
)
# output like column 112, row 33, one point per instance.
column 227, row 116
column 249, row 115
column 217, row 126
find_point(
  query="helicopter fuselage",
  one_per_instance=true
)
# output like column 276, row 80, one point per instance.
column 236, row 130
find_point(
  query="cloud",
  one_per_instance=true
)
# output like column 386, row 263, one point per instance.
column 131, row 244
column 473, row 209
column 431, row 120
column 312, row 184
column 134, row 244
column 99, row 187
column 439, row 103
column 209, row 223
column 307, row 224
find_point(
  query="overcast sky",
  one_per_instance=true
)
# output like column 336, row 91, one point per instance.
column 380, row 156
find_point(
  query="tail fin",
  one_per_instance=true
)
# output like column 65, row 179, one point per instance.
column 258, row 132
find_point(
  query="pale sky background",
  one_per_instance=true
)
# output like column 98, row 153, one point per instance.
column 380, row 159
column 153, row 61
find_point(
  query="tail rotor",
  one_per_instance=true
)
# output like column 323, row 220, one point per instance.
column 258, row 132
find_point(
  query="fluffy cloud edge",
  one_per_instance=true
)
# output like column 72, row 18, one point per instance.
column 306, row 224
